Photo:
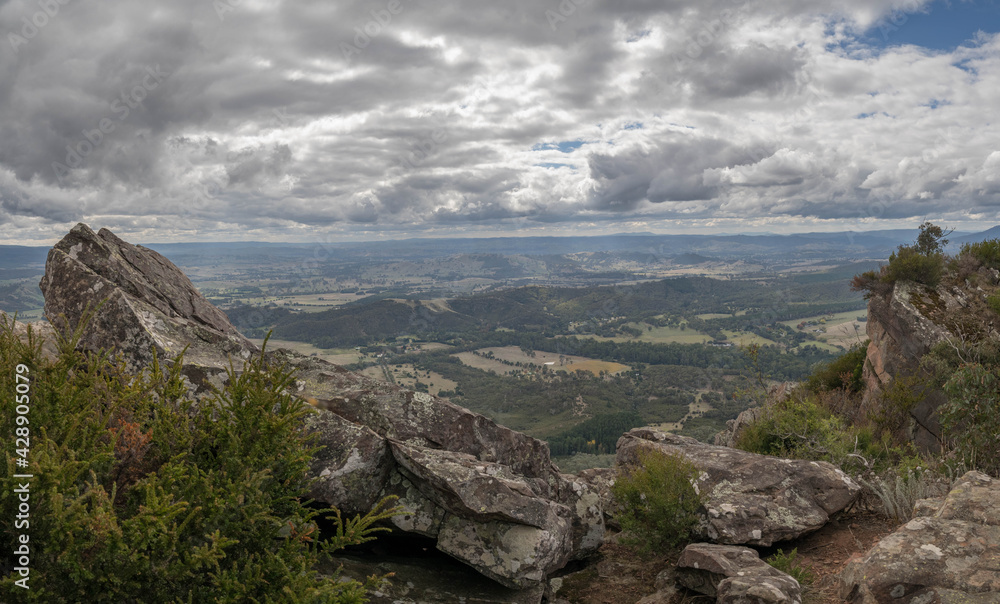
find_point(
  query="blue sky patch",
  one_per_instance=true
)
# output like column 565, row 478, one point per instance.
column 564, row 146
column 945, row 26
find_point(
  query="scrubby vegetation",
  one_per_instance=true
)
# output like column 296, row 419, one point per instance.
column 141, row 494
column 660, row 505
column 923, row 262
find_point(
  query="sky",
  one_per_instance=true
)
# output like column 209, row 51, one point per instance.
column 264, row 120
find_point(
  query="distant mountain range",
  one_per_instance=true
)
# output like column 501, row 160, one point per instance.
column 683, row 249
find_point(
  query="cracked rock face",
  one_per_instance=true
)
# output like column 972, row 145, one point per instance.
column 951, row 555
column 751, row 499
column 901, row 328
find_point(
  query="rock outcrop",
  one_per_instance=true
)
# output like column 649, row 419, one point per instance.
column 142, row 305
column 734, row 575
column 902, row 327
column 490, row 496
column 951, row 555
column 751, row 499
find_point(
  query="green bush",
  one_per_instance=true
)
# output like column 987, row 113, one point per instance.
column 908, row 264
column 799, row 427
column 142, row 495
column 970, row 419
column 993, row 302
column 986, row 252
column 790, row 565
column 844, row 372
column 659, row 502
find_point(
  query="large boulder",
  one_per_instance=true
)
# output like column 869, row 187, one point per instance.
column 353, row 466
column 141, row 303
column 751, row 499
column 735, row 575
column 490, row 495
column 950, row 556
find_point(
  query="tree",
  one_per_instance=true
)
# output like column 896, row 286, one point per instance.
column 931, row 239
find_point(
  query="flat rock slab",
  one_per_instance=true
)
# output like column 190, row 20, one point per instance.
column 735, row 575
column 751, row 499
column 952, row 555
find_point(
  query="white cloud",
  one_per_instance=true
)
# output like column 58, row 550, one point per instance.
column 702, row 111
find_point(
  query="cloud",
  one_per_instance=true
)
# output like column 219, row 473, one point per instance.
column 407, row 116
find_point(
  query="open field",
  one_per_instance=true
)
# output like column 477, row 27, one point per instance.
column 739, row 338
column 340, row 356
column 660, row 335
column 695, row 409
column 555, row 362
column 407, row 376
column 840, row 331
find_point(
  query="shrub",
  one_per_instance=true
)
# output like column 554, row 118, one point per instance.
column 790, row 565
column 970, row 419
column 993, row 302
column 142, row 495
column 660, row 505
column 986, row 252
column 908, row 264
column 898, row 491
column 800, row 428
column 844, row 372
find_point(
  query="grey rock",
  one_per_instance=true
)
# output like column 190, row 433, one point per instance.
column 142, row 305
column 735, row 575
column 950, row 556
column 735, row 427
column 751, row 499
column 422, row 516
column 352, row 468
column 515, row 555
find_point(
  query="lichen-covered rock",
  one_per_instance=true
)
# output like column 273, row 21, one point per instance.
column 142, row 304
column 352, row 467
column 516, row 555
column 587, row 507
column 464, row 485
column 751, row 499
column 419, row 419
column 950, row 556
column 735, row 575
column 421, row 515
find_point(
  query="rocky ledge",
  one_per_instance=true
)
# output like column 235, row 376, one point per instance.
column 488, row 495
